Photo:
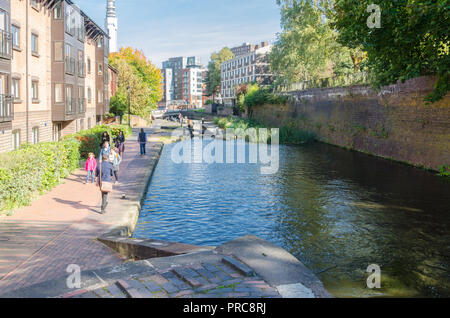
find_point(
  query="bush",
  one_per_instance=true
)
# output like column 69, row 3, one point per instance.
column 34, row 169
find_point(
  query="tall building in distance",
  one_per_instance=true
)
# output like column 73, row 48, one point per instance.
column 250, row 65
column 111, row 25
column 183, row 82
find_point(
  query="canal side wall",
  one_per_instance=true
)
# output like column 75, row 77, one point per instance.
column 394, row 122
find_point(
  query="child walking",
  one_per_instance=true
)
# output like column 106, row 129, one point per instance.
column 115, row 159
column 91, row 167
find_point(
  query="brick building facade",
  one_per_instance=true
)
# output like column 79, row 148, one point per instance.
column 54, row 73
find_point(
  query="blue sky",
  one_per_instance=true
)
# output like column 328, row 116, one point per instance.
column 168, row 28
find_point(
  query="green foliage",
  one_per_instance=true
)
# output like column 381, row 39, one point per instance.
column 307, row 49
column 209, row 102
column 213, row 77
column 251, row 95
column 412, row 40
column 119, row 103
column 289, row 134
column 34, row 169
column 444, row 171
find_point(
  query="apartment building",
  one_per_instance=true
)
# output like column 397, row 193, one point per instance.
column 183, row 79
column 250, row 65
column 54, row 73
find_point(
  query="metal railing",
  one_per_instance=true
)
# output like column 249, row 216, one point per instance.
column 6, row 108
column 81, row 69
column 361, row 78
column 5, row 44
column 71, row 105
column 81, row 105
column 70, row 65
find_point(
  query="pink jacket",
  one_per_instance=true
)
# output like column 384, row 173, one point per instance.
column 91, row 164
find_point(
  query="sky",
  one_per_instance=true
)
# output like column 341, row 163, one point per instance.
column 171, row 28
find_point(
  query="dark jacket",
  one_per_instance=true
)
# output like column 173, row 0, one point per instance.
column 142, row 137
column 105, row 138
column 107, row 171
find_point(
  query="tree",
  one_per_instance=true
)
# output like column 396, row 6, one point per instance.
column 143, row 78
column 307, row 49
column 412, row 39
column 213, row 76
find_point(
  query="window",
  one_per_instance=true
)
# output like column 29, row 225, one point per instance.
column 35, row 135
column 57, row 11
column 59, row 93
column 59, row 51
column 34, row 44
column 15, row 30
column 100, row 69
column 35, row 4
column 35, row 90
column 100, row 96
column 15, row 88
column 89, row 65
column 89, row 95
column 15, row 139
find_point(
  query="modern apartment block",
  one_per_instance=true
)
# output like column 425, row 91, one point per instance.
column 53, row 71
column 250, row 65
column 183, row 82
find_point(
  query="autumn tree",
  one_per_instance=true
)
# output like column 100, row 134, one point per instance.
column 213, row 76
column 143, row 78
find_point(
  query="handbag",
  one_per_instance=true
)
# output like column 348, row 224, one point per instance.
column 105, row 186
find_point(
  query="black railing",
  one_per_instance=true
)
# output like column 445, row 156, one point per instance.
column 6, row 108
column 81, row 69
column 5, row 44
column 82, row 105
column 71, row 106
column 70, row 65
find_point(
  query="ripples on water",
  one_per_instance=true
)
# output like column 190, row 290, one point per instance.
column 338, row 211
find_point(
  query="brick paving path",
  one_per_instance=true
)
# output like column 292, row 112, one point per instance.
column 206, row 280
column 58, row 229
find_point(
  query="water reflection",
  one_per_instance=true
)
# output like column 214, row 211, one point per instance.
column 337, row 211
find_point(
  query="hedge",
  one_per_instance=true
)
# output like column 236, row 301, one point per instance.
column 34, row 169
column 90, row 139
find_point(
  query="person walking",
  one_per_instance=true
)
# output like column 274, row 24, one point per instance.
column 115, row 159
column 91, row 167
column 104, row 175
column 105, row 138
column 121, row 143
column 106, row 150
column 142, row 139
column 180, row 117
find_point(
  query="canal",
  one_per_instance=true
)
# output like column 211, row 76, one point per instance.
column 338, row 211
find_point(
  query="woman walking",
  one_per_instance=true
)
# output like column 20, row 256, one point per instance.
column 120, row 143
column 115, row 159
column 105, row 138
column 104, row 174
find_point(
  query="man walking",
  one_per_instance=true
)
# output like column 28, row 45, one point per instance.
column 142, row 139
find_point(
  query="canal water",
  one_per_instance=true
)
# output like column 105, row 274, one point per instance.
column 338, row 211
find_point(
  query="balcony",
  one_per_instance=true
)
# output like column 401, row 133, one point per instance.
column 82, row 105
column 81, row 69
column 6, row 108
column 70, row 65
column 5, row 44
column 71, row 106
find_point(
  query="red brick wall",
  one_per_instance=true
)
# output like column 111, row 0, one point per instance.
column 394, row 122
